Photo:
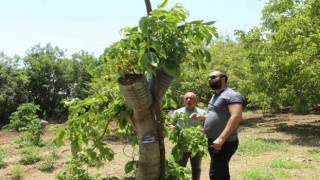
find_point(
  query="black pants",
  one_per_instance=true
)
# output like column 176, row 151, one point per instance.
column 195, row 164
column 219, row 165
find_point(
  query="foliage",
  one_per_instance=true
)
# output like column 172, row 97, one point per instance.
column 176, row 172
column 131, row 167
column 88, row 123
column 26, row 113
column 284, row 56
column 192, row 80
column 162, row 42
column 190, row 139
column 73, row 171
column 13, row 86
column 26, row 119
column 54, row 77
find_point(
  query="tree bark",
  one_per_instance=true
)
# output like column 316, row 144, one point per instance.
column 156, row 106
column 149, row 153
column 148, row 6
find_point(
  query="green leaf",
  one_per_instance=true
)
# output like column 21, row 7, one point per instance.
column 74, row 148
column 152, row 59
column 207, row 55
column 143, row 24
column 209, row 23
column 131, row 166
column 163, row 4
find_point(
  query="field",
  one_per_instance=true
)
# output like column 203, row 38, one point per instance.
column 284, row 146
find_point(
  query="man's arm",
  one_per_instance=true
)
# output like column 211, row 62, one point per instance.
column 236, row 115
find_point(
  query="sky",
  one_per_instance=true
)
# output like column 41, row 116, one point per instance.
column 93, row 25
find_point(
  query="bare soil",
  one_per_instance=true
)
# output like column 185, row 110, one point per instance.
column 301, row 131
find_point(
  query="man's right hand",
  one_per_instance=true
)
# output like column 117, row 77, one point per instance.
column 197, row 117
column 170, row 127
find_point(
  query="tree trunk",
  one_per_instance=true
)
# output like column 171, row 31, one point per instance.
column 147, row 120
column 149, row 153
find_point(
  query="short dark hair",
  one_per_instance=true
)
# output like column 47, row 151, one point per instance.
column 222, row 74
column 225, row 76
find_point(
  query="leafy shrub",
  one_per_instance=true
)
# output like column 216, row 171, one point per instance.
column 72, row 170
column 25, row 114
column 28, row 139
column 176, row 172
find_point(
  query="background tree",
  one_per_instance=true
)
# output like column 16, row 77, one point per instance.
column 13, row 86
column 54, row 77
column 284, row 56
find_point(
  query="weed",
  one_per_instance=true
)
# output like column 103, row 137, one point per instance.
column 3, row 154
column 30, row 155
column 17, row 172
column 48, row 162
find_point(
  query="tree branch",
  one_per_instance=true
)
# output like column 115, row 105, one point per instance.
column 148, row 6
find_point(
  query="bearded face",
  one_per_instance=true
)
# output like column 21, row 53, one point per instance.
column 215, row 85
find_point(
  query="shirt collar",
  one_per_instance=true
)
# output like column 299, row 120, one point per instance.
column 218, row 93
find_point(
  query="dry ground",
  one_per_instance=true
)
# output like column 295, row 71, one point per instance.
column 303, row 133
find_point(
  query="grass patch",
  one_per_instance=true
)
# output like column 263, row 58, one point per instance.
column 288, row 164
column 255, row 147
column 48, row 162
column 258, row 111
column 263, row 173
column 3, row 154
column 30, row 155
column 17, row 172
column 315, row 154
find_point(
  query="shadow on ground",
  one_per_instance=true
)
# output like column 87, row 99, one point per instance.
column 304, row 133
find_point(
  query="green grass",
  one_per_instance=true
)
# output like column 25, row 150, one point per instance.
column 288, row 164
column 48, row 162
column 17, row 172
column 315, row 155
column 255, row 147
column 30, row 155
column 253, row 111
column 254, row 173
column 3, row 155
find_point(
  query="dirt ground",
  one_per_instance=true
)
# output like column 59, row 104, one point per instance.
column 302, row 131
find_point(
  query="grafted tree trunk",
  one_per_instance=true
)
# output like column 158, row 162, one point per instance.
column 146, row 119
column 149, row 152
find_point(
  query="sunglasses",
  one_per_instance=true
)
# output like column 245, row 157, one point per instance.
column 213, row 77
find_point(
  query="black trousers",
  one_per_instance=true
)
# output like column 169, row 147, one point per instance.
column 219, row 165
column 195, row 164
